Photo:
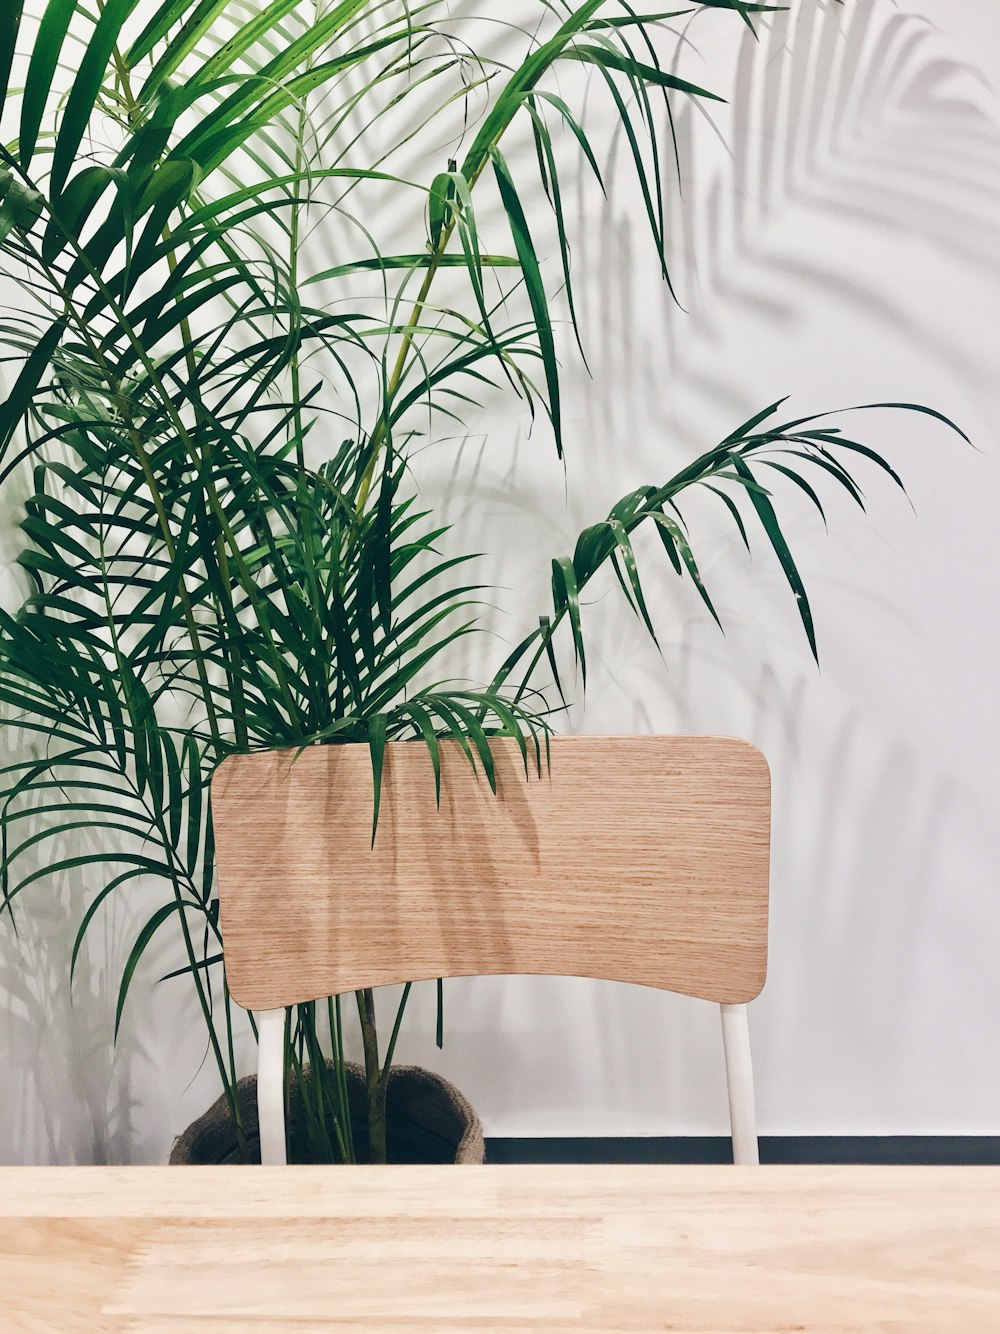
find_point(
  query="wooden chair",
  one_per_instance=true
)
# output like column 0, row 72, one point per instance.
column 636, row 859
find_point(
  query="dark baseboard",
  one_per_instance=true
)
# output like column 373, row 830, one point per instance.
column 927, row 1149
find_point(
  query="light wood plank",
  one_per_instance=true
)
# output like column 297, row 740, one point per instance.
column 147, row 1250
column 638, row 859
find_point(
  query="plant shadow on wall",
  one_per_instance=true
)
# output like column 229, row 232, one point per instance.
column 67, row 1095
column 855, row 115
column 225, row 550
column 845, row 120
column 850, row 122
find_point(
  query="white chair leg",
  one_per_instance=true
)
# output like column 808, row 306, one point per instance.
column 271, row 1086
column 739, row 1076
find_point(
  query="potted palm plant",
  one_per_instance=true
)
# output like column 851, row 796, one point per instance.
column 211, row 424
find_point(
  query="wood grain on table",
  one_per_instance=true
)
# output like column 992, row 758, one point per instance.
column 151, row 1250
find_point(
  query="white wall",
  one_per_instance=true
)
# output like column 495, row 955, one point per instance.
column 839, row 243
column 845, row 252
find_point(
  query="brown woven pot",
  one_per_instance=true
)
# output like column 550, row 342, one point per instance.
column 427, row 1120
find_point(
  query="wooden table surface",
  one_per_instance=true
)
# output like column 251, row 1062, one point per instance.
column 152, row 1250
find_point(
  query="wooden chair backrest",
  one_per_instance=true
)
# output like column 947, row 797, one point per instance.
column 637, row 859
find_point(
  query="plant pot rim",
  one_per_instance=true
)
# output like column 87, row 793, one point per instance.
column 416, row 1096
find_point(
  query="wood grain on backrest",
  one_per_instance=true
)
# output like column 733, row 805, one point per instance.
column 638, row 859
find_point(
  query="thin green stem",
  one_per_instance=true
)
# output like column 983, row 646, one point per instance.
column 337, row 1029
column 473, row 167
column 340, row 1077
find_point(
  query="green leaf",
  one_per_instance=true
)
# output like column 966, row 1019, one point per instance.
column 769, row 520
column 474, row 731
column 425, row 727
column 170, row 13
column 257, row 101
column 576, row 130
column 52, row 29
column 799, row 481
column 453, row 728
column 100, row 859
column 534, row 287
column 20, row 397
column 628, row 557
column 669, row 528
column 546, row 630
column 438, row 202
column 734, row 512
column 420, row 260
column 92, row 909
column 264, row 22
column 523, row 80
column 139, row 948
column 839, row 441
column 10, row 18
column 743, row 7
column 20, row 210
column 607, row 58
column 819, row 459
column 743, row 431
column 195, row 788
column 377, row 728
column 632, row 19
column 76, row 204
column 201, row 966
column 566, row 597
column 919, row 408
column 550, row 176
column 86, row 86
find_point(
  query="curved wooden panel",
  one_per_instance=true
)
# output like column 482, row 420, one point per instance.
column 638, row 859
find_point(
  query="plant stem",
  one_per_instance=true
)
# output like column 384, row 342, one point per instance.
column 473, row 170
column 375, row 1084
column 340, row 1074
